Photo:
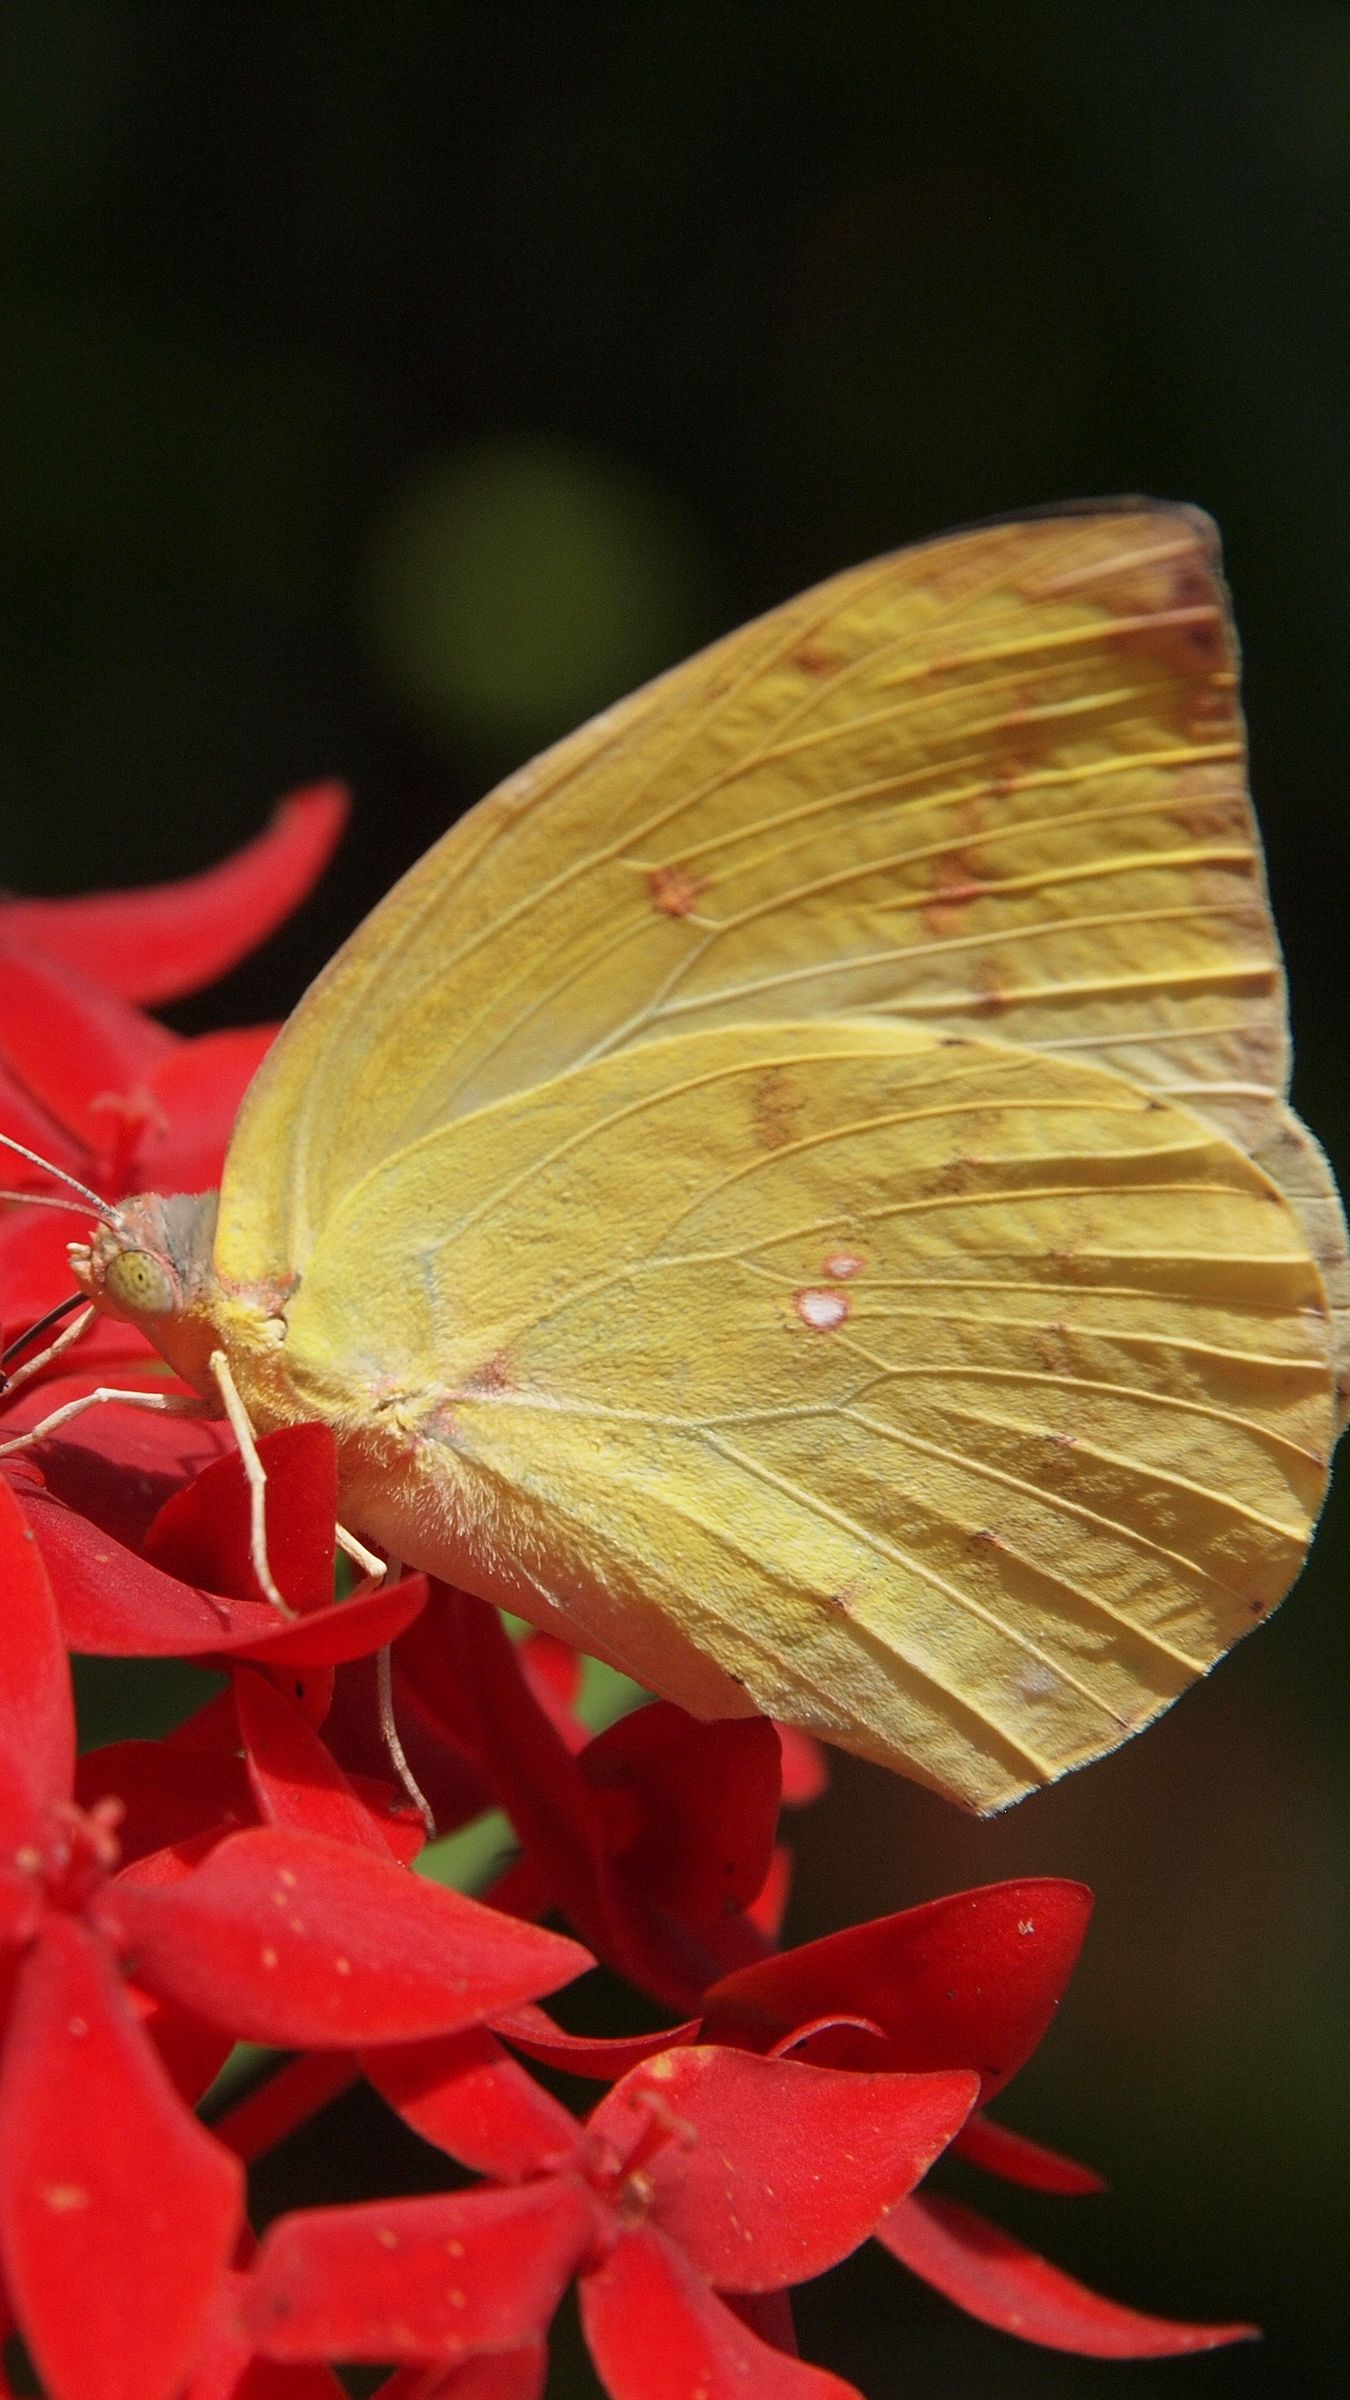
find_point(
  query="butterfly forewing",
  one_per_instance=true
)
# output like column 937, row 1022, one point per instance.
column 993, row 783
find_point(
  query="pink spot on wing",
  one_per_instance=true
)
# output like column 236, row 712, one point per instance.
column 674, row 891
column 842, row 1264
column 821, row 1310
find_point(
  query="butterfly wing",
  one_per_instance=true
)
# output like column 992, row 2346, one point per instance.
column 993, row 783
column 959, row 1403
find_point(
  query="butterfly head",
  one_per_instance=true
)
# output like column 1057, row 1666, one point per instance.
column 150, row 1265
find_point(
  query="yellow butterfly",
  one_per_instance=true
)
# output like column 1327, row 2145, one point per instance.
column 794, row 1192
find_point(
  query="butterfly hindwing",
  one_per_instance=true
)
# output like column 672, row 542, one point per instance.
column 960, row 1403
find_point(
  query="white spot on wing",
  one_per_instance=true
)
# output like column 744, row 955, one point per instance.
column 821, row 1310
column 1039, row 1682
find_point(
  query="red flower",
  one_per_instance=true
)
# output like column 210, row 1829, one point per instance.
column 653, row 1829
column 973, row 1979
column 938, row 1990
column 168, row 939
column 108, row 2185
column 131, row 1545
column 99, row 1088
column 1007, row 2285
column 247, row 1877
column 656, row 1841
column 194, row 1595
column 704, row 2172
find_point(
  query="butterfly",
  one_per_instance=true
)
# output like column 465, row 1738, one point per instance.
column 794, row 1192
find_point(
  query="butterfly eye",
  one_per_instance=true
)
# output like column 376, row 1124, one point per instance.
column 136, row 1280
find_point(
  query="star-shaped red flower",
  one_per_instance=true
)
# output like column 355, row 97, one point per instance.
column 108, row 2185
column 704, row 2172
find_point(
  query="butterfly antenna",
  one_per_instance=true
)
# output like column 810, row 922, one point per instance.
column 78, row 1208
column 43, row 1325
column 101, row 1207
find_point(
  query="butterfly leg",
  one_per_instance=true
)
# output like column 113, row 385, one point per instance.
column 373, row 1569
column 256, row 1474
column 30, row 1367
column 389, row 1734
column 165, row 1404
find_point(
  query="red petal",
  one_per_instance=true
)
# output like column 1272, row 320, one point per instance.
column 454, row 1790
column 201, row 1535
column 114, row 1605
column 295, row 1781
column 465, row 1670
column 1002, row 2152
column 168, row 1793
column 553, row 1670
column 22, row 1907
column 25, row 1121
column 117, row 1465
column 197, row 1092
column 972, row 1980
column 119, row 2210
column 805, row 1769
column 769, row 1907
column 37, row 1719
column 192, row 2051
column 656, row 2332
column 228, row 2369
column 467, row 1673
column 509, row 2375
column 34, row 1265
column 768, row 2314
column 469, row 2098
column 703, row 1802
column 771, row 2172
column 331, row 1636
column 163, row 1867
column 533, row 2031
column 808, row 2040
column 169, row 938
column 401, row 1828
column 231, row 2372
column 83, row 1054
column 418, row 2279
column 7, row 2327
column 307, row 1944
column 213, row 1728
column 285, row 2100
column 997, row 2280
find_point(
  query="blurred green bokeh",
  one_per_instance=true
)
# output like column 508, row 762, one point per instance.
column 475, row 567
column 390, row 386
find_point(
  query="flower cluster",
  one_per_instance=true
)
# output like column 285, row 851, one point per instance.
column 259, row 1876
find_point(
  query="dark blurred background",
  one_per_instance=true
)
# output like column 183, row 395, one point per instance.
column 391, row 385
